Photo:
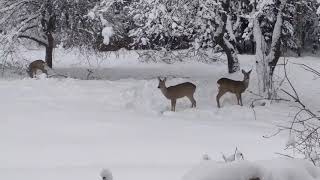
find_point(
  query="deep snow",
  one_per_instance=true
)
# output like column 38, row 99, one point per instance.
column 275, row 169
column 64, row 128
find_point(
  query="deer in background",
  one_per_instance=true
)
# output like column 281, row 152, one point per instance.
column 232, row 86
column 37, row 65
column 173, row 93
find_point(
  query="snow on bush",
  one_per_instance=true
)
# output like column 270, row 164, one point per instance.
column 107, row 32
column 277, row 169
column 91, row 15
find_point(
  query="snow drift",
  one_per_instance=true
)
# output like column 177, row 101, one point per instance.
column 277, row 169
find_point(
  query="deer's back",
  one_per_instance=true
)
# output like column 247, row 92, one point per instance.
column 38, row 64
column 181, row 90
column 231, row 85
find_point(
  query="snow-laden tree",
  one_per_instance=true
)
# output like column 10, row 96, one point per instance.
column 224, row 35
column 48, row 22
column 179, row 24
column 268, row 43
column 299, row 26
column 163, row 23
column 303, row 22
column 116, row 23
column 306, row 23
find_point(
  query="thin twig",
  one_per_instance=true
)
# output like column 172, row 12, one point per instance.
column 274, row 134
column 284, row 155
column 308, row 68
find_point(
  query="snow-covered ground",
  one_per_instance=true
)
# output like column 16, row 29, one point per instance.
column 65, row 128
column 275, row 169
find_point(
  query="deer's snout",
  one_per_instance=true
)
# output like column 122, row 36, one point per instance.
column 159, row 87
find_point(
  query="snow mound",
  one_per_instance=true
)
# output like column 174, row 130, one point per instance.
column 277, row 169
column 106, row 174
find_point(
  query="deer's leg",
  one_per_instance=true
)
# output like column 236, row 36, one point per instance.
column 173, row 105
column 193, row 101
column 34, row 73
column 220, row 93
column 241, row 100
column 237, row 95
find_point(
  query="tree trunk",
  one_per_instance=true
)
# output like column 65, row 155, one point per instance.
column 49, row 50
column 232, row 55
column 260, row 57
column 299, row 29
column 228, row 48
column 276, row 57
column 266, row 62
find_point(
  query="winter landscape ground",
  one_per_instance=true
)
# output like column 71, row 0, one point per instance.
column 68, row 128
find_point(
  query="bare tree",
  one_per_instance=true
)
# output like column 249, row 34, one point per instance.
column 47, row 22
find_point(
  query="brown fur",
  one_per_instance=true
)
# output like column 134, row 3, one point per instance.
column 173, row 93
column 257, row 178
column 37, row 65
column 232, row 86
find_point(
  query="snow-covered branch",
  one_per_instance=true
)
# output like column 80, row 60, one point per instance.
column 267, row 56
column 15, row 5
column 42, row 42
column 276, row 31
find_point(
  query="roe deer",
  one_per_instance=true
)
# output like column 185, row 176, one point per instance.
column 37, row 65
column 232, row 86
column 178, row 91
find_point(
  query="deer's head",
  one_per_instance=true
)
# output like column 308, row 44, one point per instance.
column 162, row 83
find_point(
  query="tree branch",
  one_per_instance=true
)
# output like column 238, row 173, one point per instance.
column 34, row 39
column 308, row 68
column 304, row 127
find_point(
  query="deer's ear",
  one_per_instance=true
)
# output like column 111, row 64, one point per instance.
column 165, row 79
column 250, row 71
column 159, row 78
column 243, row 71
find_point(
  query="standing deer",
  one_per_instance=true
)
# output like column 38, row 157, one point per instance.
column 37, row 65
column 232, row 86
column 178, row 91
